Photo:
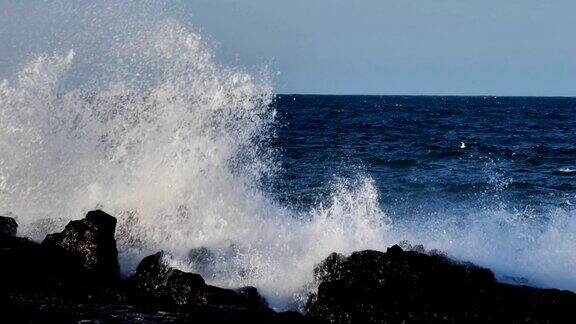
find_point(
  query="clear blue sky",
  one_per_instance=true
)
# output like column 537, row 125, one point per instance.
column 476, row 47
column 444, row 47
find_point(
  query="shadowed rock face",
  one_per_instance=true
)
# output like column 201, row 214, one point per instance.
column 8, row 226
column 67, row 279
column 154, row 279
column 412, row 287
column 92, row 238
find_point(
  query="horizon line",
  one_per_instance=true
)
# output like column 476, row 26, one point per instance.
column 427, row 95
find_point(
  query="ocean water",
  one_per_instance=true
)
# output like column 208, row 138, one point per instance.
column 438, row 152
column 133, row 113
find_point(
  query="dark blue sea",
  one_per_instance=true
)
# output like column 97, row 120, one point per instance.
column 429, row 155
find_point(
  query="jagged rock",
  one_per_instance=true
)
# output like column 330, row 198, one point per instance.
column 28, row 266
column 291, row 317
column 92, row 238
column 59, row 281
column 252, row 298
column 8, row 226
column 407, row 246
column 155, row 279
column 151, row 274
column 410, row 287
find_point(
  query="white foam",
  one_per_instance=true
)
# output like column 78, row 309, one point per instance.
column 173, row 144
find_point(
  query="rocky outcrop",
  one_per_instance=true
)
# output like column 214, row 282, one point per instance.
column 27, row 266
column 154, row 279
column 8, row 226
column 413, row 287
column 92, row 239
column 59, row 264
column 67, row 279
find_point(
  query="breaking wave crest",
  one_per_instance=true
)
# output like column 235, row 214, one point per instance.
column 173, row 144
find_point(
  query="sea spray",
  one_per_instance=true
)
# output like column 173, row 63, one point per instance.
column 131, row 112
column 174, row 145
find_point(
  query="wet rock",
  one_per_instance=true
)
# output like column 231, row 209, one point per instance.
column 151, row 275
column 183, row 287
column 407, row 246
column 154, row 279
column 61, row 281
column 28, row 266
column 291, row 317
column 92, row 238
column 8, row 226
column 411, row 287
column 252, row 298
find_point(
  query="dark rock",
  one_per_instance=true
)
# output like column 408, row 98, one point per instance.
column 29, row 266
column 8, row 226
column 151, row 275
column 329, row 268
column 26, row 266
column 92, row 238
column 406, row 246
column 155, row 280
column 410, row 287
column 183, row 287
column 213, row 296
column 291, row 317
column 252, row 298
column 61, row 281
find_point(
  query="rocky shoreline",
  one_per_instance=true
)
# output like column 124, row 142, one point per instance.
column 73, row 276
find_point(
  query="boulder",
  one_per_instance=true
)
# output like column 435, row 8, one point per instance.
column 91, row 238
column 66, row 279
column 411, row 287
column 8, row 226
column 28, row 266
column 155, row 280
column 252, row 298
